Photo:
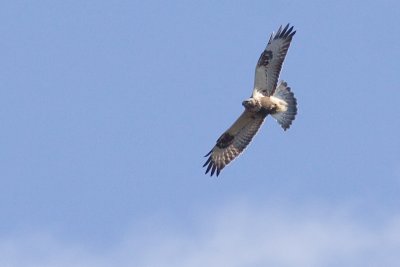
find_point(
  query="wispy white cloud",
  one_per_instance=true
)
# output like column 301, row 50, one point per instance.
column 240, row 235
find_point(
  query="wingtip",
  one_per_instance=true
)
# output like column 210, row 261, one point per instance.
column 285, row 29
column 278, row 32
column 208, row 154
column 212, row 168
column 208, row 161
column 284, row 32
column 208, row 167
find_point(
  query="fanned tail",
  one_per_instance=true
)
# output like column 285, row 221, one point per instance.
column 286, row 116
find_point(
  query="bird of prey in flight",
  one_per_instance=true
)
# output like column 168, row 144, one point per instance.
column 268, row 98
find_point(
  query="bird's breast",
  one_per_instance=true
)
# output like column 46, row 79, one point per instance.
column 268, row 104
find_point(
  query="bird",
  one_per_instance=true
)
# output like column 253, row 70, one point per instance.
column 268, row 98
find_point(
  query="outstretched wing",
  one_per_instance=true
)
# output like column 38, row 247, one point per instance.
column 270, row 63
column 234, row 141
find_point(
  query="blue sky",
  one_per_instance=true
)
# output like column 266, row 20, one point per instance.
column 107, row 109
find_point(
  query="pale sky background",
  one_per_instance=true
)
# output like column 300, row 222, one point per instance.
column 108, row 107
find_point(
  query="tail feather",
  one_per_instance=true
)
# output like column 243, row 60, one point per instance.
column 285, row 117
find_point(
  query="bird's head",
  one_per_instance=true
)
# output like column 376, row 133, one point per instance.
column 252, row 105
